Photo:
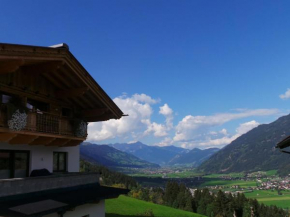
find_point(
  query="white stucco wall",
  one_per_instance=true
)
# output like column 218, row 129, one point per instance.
column 42, row 156
column 93, row 210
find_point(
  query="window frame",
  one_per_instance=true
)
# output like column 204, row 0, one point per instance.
column 58, row 166
column 12, row 161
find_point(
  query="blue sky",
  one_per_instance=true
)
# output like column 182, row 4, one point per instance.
column 219, row 66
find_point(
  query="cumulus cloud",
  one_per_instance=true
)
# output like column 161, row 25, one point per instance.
column 144, row 98
column 191, row 131
column 225, row 139
column 246, row 127
column 286, row 95
column 158, row 130
column 165, row 142
column 168, row 113
column 139, row 109
column 190, row 125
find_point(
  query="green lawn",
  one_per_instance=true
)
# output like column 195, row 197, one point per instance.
column 183, row 174
column 229, row 183
column 146, row 175
column 233, row 175
column 269, row 197
column 130, row 207
column 271, row 172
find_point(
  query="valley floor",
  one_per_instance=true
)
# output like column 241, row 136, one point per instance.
column 129, row 207
column 269, row 197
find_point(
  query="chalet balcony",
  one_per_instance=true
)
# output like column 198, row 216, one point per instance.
column 17, row 186
column 42, row 128
column 41, row 196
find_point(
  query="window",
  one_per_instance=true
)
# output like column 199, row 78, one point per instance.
column 66, row 112
column 37, row 106
column 59, row 161
column 4, row 97
column 14, row 164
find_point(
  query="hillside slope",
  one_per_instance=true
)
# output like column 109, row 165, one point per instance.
column 154, row 154
column 194, row 157
column 111, row 157
column 127, row 206
column 253, row 151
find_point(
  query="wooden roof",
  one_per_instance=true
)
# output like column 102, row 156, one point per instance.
column 59, row 66
column 284, row 143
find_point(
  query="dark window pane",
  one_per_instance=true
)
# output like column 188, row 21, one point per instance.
column 21, row 163
column 55, row 161
column 62, row 161
column 5, row 98
column 4, row 165
column 59, row 162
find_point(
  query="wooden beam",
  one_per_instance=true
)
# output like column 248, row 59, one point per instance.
column 103, row 117
column 22, row 139
column 93, row 112
column 35, row 133
column 42, row 140
column 70, row 93
column 5, row 137
column 46, row 67
column 10, row 66
column 73, row 143
column 58, row 142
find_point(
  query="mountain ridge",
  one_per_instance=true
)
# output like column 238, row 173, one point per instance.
column 111, row 157
column 166, row 155
column 253, row 151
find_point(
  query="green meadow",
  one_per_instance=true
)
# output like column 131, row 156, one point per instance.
column 229, row 183
column 130, row 207
column 269, row 197
column 183, row 174
column 233, row 175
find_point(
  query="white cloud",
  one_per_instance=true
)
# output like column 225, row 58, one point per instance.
column 144, row 98
column 224, row 132
column 286, row 95
column 168, row 113
column 158, row 130
column 190, row 132
column 139, row 109
column 165, row 142
column 225, row 139
column 165, row 110
column 246, row 127
column 190, row 125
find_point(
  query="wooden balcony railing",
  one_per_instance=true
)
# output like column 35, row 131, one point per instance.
column 42, row 122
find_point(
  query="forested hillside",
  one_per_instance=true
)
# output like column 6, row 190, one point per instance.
column 111, row 157
column 109, row 177
column 253, row 151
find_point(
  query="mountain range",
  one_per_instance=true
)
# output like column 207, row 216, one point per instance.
column 253, row 151
column 167, row 155
column 139, row 155
column 194, row 157
column 111, row 157
column 154, row 154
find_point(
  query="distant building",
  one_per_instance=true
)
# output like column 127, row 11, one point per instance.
column 46, row 100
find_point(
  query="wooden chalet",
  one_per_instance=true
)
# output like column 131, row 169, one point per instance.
column 46, row 100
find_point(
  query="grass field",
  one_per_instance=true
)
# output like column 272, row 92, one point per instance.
column 269, row 197
column 184, row 174
column 233, row 175
column 230, row 183
column 271, row 172
column 127, row 206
